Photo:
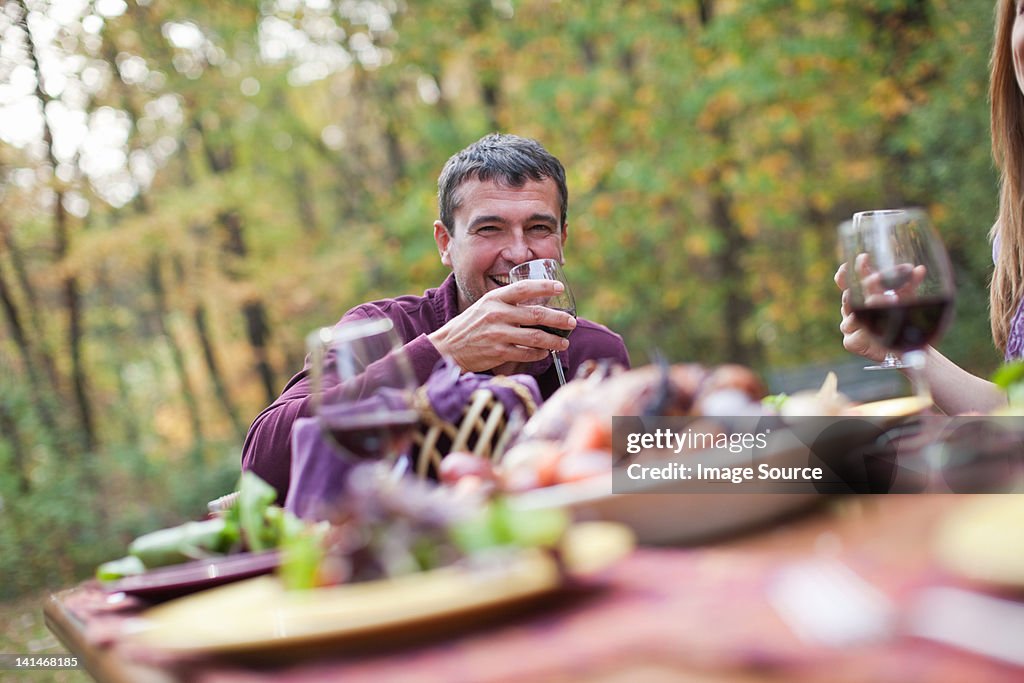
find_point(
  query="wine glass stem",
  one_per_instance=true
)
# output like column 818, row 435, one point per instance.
column 914, row 362
column 558, row 368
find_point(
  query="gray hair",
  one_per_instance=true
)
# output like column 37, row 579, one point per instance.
column 506, row 159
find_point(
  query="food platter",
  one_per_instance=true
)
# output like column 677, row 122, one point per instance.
column 669, row 518
column 259, row 617
column 181, row 579
column 661, row 512
column 731, row 459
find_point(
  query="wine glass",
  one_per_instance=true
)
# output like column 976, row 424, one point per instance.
column 901, row 283
column 548, row 269
column 362, row 384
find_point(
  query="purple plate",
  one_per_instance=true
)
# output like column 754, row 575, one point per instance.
column 165, row 583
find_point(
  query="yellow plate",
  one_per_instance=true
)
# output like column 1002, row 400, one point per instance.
column 903, row 406
column 983, row 540
column 260, row 616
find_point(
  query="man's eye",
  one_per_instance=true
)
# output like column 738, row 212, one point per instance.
column 488, row 228
column 542, row 229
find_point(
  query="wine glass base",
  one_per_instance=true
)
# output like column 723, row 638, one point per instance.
column 890, row 362
column 886, row 366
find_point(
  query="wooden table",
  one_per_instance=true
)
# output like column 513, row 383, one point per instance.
column 665, row 614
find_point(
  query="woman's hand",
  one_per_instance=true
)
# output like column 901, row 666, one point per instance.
column 879, row 288
column 856, row 339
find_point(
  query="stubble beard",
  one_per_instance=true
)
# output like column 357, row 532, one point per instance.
column 466, row 294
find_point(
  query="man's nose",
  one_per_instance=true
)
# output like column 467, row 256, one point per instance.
column 518, row 250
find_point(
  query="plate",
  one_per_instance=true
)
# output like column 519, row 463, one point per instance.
column 895, row 408
column 259, row 616
column 982, row 539
column 165, row 583
column 662, row 512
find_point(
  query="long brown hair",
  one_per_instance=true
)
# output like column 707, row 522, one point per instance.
column 1007, row 104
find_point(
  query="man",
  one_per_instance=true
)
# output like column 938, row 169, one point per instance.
column 502, row 201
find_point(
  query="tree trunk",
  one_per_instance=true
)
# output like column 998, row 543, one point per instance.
column 9, row 429
column 62, row 236
column 216, row 375
column 256, row 328
column 304, row 200
column 221, row 160
column 41, row 349
column 736, row 309
column 160, row 313
column 898, row 29
column 706, row 9
column 199, row 323
column 490, row 73
column 73, row 303
column 40, row 400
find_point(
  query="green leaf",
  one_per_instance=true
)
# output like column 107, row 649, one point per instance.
column 1009, row 374
column 181, row 543
column 254, row 498
column 302, row 552
column 500, row 525
column 120, row 568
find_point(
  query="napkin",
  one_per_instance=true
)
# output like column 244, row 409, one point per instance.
column 449, row 390
column 319, row 470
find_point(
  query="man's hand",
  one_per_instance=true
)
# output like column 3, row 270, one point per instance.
column 496, row 329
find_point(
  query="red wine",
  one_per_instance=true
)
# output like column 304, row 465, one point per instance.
column 906, row 326
column 557, row 331
column 372, row 435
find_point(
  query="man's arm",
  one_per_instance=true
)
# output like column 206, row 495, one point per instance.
column 267, row 448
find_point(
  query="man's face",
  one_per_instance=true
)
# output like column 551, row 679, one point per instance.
column 496, row 228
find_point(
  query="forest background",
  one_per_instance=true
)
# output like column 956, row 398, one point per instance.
column 212, row 180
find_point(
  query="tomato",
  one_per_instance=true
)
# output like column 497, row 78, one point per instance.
column 459, row 464
column 583, row 465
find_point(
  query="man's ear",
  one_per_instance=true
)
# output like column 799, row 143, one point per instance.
column 444, row 241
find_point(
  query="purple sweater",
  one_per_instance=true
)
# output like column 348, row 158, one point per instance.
column 267, row 450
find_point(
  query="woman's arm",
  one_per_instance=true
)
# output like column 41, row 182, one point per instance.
column 957, row 391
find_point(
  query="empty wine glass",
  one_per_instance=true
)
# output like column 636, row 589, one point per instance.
column 362, row 384
column 548, row 269
column 900, row 281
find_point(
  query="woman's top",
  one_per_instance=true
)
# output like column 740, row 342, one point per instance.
column 1015, row 335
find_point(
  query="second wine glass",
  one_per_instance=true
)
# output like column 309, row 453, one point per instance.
column 900, row 281
column 548, row 269
column 362, row 383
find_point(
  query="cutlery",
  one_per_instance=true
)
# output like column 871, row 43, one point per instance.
column 824, row 602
